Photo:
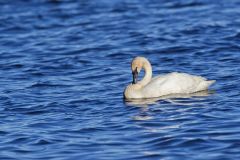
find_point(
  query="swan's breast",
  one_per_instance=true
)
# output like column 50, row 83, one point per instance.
column 132, row 91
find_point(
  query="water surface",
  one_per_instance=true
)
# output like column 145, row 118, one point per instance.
column 64, row 66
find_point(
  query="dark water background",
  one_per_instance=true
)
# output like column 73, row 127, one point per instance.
column 64, row 66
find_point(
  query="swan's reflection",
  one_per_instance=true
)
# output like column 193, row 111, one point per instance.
column 173, row 98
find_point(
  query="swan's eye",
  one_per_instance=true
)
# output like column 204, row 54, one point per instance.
column 138, row 69
column 135, row 71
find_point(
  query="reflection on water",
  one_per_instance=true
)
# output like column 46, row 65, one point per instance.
column 173, row 99
column 178, row 99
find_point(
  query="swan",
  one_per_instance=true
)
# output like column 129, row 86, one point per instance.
column 171, row 83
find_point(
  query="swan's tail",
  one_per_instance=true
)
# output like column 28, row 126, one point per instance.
column 205, row 84
column 211, row 82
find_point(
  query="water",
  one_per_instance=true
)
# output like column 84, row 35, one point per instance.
column 64, row 66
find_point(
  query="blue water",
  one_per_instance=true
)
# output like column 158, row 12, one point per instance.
column 64, row 66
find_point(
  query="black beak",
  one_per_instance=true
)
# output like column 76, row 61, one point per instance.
column 135, row 75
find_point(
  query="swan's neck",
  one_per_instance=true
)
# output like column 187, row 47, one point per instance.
column 148, row 74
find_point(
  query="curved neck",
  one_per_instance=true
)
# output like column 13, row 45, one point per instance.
column 148, row 74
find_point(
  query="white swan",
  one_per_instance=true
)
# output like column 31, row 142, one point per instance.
column 172, row 83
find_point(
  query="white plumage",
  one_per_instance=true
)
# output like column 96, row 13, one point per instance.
column 172, row 83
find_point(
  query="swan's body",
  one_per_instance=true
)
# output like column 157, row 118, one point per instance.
column 172, row 83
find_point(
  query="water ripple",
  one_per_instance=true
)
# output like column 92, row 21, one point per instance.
column 64, row 66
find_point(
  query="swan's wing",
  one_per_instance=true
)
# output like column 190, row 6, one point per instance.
column 175, row 83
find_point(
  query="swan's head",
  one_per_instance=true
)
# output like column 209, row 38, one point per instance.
column 137, row 65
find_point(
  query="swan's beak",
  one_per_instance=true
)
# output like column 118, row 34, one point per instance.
column 135, row 75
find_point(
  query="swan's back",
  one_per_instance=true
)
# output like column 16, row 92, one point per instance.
column 173, row 83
